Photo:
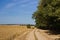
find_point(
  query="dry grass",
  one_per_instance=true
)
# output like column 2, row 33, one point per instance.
column 8, row 32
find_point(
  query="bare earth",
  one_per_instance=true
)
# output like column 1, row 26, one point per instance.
column 33, row 35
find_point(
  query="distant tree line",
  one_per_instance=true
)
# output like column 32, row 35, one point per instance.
column 47, row 15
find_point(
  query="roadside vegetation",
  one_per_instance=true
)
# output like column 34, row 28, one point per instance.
column 28, row 26
column 47, row 15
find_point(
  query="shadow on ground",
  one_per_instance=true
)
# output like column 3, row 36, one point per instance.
column 53, row 32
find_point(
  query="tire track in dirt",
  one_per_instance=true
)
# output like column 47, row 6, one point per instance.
column 22, row 36
column 31, row 36
column 45, row 35
column 34, row 34
column 40, row 36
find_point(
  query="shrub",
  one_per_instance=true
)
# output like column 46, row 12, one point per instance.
column 28, row 26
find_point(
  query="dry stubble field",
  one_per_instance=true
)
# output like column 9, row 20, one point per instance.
column 9, row 32
column 12, row 32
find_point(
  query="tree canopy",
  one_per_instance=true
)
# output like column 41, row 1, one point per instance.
column 47, row 13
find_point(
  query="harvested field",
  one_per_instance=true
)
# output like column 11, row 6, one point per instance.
column 8, row 32
column 17, row 32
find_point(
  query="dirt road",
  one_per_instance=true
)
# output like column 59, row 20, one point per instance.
column 32, row 35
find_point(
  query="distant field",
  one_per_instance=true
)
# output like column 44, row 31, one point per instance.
column 7, row 32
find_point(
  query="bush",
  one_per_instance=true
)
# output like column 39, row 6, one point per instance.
column 28, row 26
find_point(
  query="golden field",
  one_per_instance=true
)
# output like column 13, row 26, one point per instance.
column 8, row 32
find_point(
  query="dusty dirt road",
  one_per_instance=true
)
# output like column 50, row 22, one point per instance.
column 32, row 35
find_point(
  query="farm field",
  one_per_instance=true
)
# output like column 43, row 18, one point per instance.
column 17, row 32
column 9, row 32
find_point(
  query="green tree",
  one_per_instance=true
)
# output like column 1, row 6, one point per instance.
column 28, row 26
column 48, row 13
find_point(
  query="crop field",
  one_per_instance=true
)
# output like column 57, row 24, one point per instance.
column 22, row 32
column 9, row 32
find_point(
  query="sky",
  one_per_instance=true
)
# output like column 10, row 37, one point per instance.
column 17, row 11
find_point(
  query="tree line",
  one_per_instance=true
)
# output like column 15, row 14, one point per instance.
column 47, row 15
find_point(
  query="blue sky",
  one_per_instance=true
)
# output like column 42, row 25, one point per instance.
column 17, row 11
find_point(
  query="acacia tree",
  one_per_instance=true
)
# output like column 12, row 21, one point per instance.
column 48, row 13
